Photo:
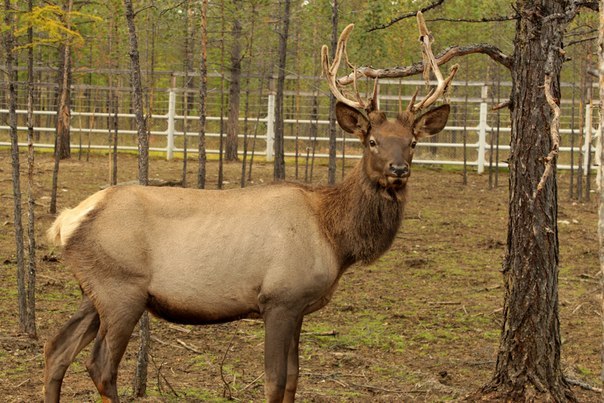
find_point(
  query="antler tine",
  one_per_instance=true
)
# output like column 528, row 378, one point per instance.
column 331, row 70
column 430, row 63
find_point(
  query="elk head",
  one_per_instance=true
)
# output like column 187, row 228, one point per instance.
column 388, row 143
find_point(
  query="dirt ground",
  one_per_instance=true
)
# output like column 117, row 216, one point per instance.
column 421, row 324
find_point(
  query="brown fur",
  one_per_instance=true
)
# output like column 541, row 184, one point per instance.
column 194, row 256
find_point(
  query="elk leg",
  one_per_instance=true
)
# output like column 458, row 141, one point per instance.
column 117, row 323
column 280, row 325
column 292, row 365
column 61, row 350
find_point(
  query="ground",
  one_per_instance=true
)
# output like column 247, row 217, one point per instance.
column 421, row 324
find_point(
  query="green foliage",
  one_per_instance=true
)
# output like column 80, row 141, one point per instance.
column 53, row 25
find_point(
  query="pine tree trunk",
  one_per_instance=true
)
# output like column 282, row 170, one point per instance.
column 601, row 178
column 12, row 123
column 140, row 379
column 31, row 201
column 64, row 109
column 528, row 364
column 203, row 93
column 331, row 171
column 143, row 140
column 279, row 165
column 232, row 129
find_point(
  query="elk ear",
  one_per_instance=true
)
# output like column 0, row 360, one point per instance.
column 351, row 120
column 431, row 122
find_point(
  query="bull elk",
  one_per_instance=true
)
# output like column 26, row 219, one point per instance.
column 201, row 256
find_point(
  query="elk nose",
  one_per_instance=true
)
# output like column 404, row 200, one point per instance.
column 400, row 170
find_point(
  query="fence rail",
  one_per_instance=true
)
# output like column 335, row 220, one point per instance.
column 485, row 131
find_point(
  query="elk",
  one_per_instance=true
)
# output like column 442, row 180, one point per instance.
column 204, row 256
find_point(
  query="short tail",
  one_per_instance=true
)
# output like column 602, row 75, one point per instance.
column 70, row 219
column 55, row 231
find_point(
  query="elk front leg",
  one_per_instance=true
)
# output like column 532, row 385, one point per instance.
column 280, row 325
column 61, row 350
column 292, row 365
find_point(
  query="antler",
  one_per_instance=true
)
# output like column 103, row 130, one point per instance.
column 426, row 38
column 331, row 70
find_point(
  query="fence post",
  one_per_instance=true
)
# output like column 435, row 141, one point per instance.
column 587, row 132
column 482, row 129
column 270, row 127
column 170, row 131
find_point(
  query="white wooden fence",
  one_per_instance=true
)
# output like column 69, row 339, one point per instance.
column 480, row 128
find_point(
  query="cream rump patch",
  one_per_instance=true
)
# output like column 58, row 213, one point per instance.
column 69, row 220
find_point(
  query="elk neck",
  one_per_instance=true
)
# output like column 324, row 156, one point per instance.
column 360, row 217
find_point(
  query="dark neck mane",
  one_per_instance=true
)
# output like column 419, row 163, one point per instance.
column 360, row 217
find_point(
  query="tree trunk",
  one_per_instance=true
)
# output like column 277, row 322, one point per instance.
column 64, row 109
column 140, row 379
column 143, row 140
column 232, row 128
column 279, row 165
column 528, row 363
column 12, row 122
column 601, row 179
column 203, row 93
column 331, row 171
column 31, row 201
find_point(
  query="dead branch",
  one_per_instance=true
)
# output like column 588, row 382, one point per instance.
column 554, row 133
column 179, row 328
column 583, row 385
column 499, row 18
column 188, row 347
column 227, row 386
column 443, row 57
column 407, row 15
column 329, row 333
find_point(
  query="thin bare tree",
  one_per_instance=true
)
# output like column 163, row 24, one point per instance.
column 203, row 93
column 279, row 163
column 9, row 40
column 601, row 183
column 63, row 112
column 331, row 170
column 140, row 379
column 31, row 201
column 232, row 129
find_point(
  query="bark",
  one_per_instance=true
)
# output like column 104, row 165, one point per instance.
column 221, row 139
column 248, row 74
column 143, row 140
column 601, row 178
column 31, row 201
column 203, row 92
column 232, row 129
column 62, row 136
column 140, row 379
column 331, row 171
column 187, row 96
column 64, row 109
column 279, row 164
column 12, row 123
column 528, row 363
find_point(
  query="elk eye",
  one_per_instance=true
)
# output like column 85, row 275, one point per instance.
column 413, row 144
column 372, row 143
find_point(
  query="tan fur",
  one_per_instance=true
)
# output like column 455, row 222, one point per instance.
column 70, row 219
column 207, row 256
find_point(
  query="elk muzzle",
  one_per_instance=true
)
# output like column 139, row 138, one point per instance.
column 400, row 170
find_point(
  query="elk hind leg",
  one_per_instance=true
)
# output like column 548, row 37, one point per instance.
column 117, row 323
column 62, row 349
